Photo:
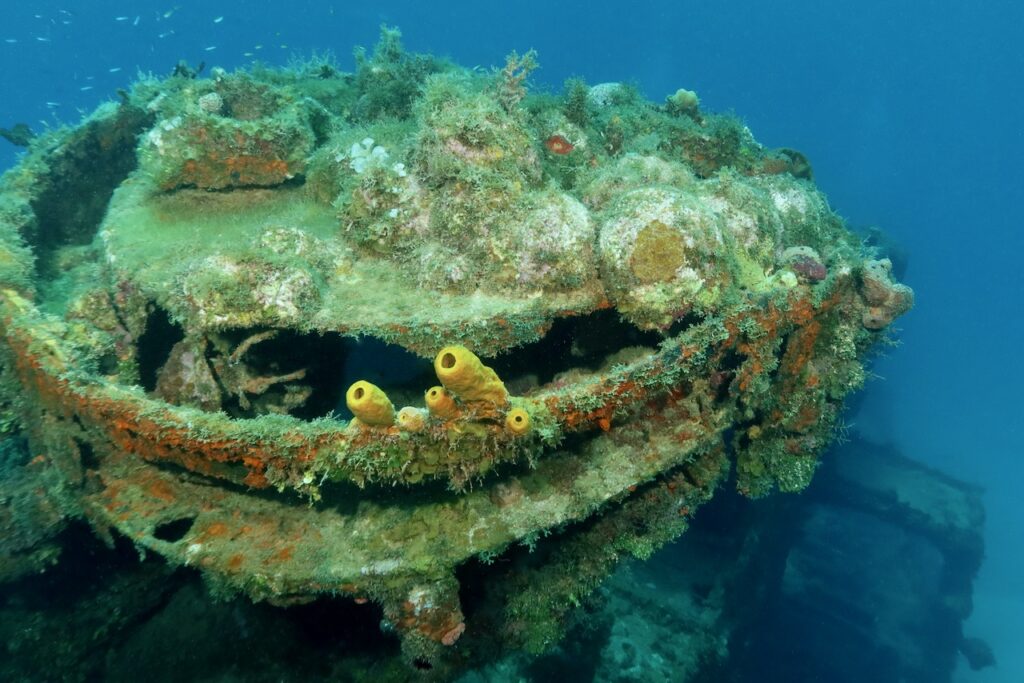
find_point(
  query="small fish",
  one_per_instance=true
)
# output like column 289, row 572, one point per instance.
column 211, row 48
column 168, row 13
column 53, row 104
column 248, row 54
column 85, row 88
column 12, row 41
column 218, row 20
column 165, row 34
column 114, row 70
column 41, row 39
column 120, row 18
column 258, row 47
column 136, row 22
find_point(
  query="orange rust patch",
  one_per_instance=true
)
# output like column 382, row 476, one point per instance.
column 795, row 447
column 162, row 490
column 800, row 349
column 685, row 435
column 216, row 530
column 806, row 418
column 770, row 166
column 283, row 555
column 235, row 561
column 752, row 368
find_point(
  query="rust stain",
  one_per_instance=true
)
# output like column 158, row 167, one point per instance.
column 160, row 489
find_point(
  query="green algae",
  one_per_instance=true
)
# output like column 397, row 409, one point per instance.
column 423, row 204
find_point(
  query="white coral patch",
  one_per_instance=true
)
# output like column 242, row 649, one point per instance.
column 556, row 243
column 790, row 199
column 604, row 94
column 283, row 291
column 380, row 568
column 289, row 240
column 365, row 155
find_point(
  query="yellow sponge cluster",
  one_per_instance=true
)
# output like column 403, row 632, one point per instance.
column 463, row 376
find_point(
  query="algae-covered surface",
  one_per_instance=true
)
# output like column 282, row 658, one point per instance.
column 627, row 304
column 276, row 258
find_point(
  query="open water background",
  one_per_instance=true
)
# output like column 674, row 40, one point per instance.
column 911, row 113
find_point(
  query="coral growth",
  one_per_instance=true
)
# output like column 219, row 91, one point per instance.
column 884, row 300
column 190, row 279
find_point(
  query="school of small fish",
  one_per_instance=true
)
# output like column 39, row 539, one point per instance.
column 51, row 29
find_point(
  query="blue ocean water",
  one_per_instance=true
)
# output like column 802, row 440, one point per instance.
column 910, row 112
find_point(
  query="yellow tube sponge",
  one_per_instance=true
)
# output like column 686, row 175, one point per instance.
column 412, row 419
column 370, row 404
column 517, row 421
column 440, row 403
column 463, row 374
